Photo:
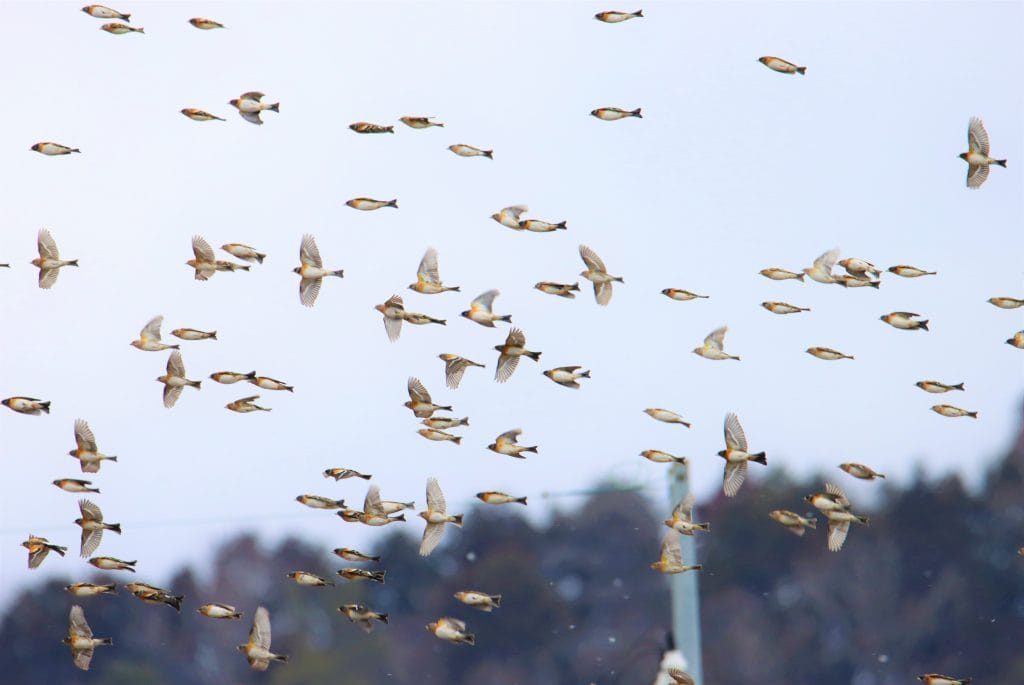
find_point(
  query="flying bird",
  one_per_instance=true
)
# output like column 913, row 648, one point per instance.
column 905, row 321
column 309, row 579
column 112, row 564
column 836, row 507
column 495, row 497
column 205, row 24
column 938, row 679
column 174, row 380
column 1006, row 302
column 666, row 416
column 367, row 127
column 509, row 216
column 794, row 523
column 480, row 310
column 681, row 295
column 454, row 367
column 463, row 150
column 509, row 354
column 436, row 517
column 428, row 279
column 821, row 270
column 38, row 548
column 736, row 455
column 53, row 149
column 199, row 115
column 222, row 611
column 566, row 290
column 312, row 271
column 567, row 376
column 936, row 387
column 538, row 226
column 149, row 337
column 249, row 106
column 394, row 314
column 245, row 252
column 246, row 405
column 101, row 12
column 367, row 204
column 205, row 262
column 91, row 589
column 152, row 594
column 92, row 525
column 451, row 630
column 419, row 122
column 27, row 405
column 75, row 485
column 121, row 29
column 86, row 451
column 682, row 521
column 976, row 156
column 506, row 444
column 613, row 17
column 910, row 271
column 861, row 471
column 597, row 274
column 953, row 412
column 49, row 261
column 193, row 334
column 860, row 269
column 827, row 353
column 783, row 308
column 257, row 649
column 780, row 65
column 713, row 347
column 781, row 275
column 231, row 377
column 419, row 400
column 671, row 561
column 80, row 639
column 659, row 457
column 362, row 616
column 614, row 113
column 479, row 600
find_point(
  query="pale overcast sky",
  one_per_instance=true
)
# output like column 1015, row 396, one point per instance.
column 732, row 169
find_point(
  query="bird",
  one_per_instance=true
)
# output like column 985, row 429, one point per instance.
column 597, row 274
column 613, row 17
column 615, row 113
column 509, row 216
column 355, row 555
column 479, row 600
column 375, row 513
column 680, row 677
column 666, row 416
column 53, row 149
column 367, row 127
column 394, row 314
column 257, row 649
column 794, row 523
column 567, row 376
column 827, row 353
column 101, row 12
column 861, row 471
column 112, row 564
column 781, row 274
column 937, row 679
column 417, row 319
column 909, row 271
column 454, row 367
column 671, row 560
column 682, row 521
column 359, row 574
column 149, row 337
column 480, row 310
column 86, row 451
column 1006, row 302
column 682, row 295
column 419, row 122
column 249, row 106
column 428, row 280
column 836, row 507
column 362, row 616
column 821, row 270
column 91, row 589
column 309, row 579
column 222, row 611
column 49, row 261
column 205, row 262
column 506, row 444
column 713, row 346
column 367, row 204
column 538, row 226
column 193, row 334
column 452, row 630
column 231, row 377
column 852, row 282
column 495, row 497
column 312, row 271
column 566, row 290
column 463, row 150
column 80, row 638
column 174, row 380
column 509, row 354
column 439, row 436
column 155, row 595
column 75, row 485
column 245, row 252
column 436, row 517
column 205, row 24
column 780, row 65
column 783, row 308
column 246, row 405
column 92, row 525
column 1017, row 340
column 659, row 457
column 905, row 321
column 27, row 405
column 860, row 269
column 419, row 400
column 38, row 548
column 268, row 383
column 200, row 115
column 936, row 387
column 341, row 474
column 978, row 161
column 736, row 455
column 121, row 29
column 953, row 412
column 319, row 502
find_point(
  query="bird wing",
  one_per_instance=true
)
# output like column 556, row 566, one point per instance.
column 372, row 505
column 90, row 541
column 47, row 245
column 418, row 393
column 36, row 557
column 591, row 259
column 453, row 371
column 151, row 331
column 837, row 531
column 735, row 438
column 507, row 364
column 251, row 95
column 252, row 118
column 671, row 550
column 735, row 474
column 603, row 293
column 202, row 250
column 977, row 136
column 431, row 537
column 47, row 277
column 485, row 300
column 175, row 366
column 82, row 658
column 393, row 327
column 77, row 625
column 826, row 261
column 716, row 339
column 837, row 492
column 684, row 510
column 428, row 267
column 510, row 436
column 309, row 289
column 309, row 253
column 171, row 395
column 680, row 677
column 260, row 633
column 516, row 338
column 89, row 510
column 84, row 437
column 455, row 623
column 515, row 211
column 435, row 498
column 976, row 175
column 906, row 315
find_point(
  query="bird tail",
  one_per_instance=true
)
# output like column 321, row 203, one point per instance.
column 923, row 325
column 863, row 520
column 77, row 150
column 250, row 376
column 973, row 414
column 195, row 384
column 562, row 225
column 698, row 567
column 407, row 505
column 469, row 639
column 378, row 575
column 260, row 257
column 110, row 588
column 496, row 599
column 340, row 503
column 126, row 17
column 175, row 347
column 636, row 113
column 457, row 520
column 811, row 522
column 530, row 449
column 276, row 107
column 679, row 460
column 106, row 641
column 59, row 549
column 71, row 262
column 383, row 618
column 507, row 318
column 585, row 374
column 1002, row 163
column 116, row 527
column 392, row 203
column 96, row 490
column 489, row 154
column 958, row 386
column 618, row 279
column 364, row 476
column 280, row 657
column 575, row 287
column 340, row 273
column 801, row 70
column 521, row 500
column 175, row 601
column 760, row 458
column 706, row 527
column 800, row 277
column 213, row 335
column 45, row 406
column 455, row 289
column 111, row 458
column 874, row 284
column 535, row 356
column 444, row 409
column 457, row 439
column 638, row 13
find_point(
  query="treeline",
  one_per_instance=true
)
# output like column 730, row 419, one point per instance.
column 934, row 584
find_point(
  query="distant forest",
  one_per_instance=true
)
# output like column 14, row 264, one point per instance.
column 934, row 584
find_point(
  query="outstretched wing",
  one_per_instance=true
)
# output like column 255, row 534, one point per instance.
column 485, row 301
column 151, row 331
column 735, row 439
column 309, row 253
column 47, row 245
column 175, row 365
column 977, row 136
column 418, row 393
column 435, row 498
column 83, row 436
column 428, row 272
column 309, row 289
column 591, row 259
column 735, row 474
column 431, row 537
column 202, row 250
column 837, row 531
column 372, row 505
column 716, row 339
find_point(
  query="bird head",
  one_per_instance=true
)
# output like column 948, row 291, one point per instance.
column 233, row 103
column 78, row 521
column 73, row 453
column 809, row 498
column 493, row 446
column 723, row 454
column 37, row 147
column 963, row 156
column 465, row 314
column 412, row 286
column 698, row 350
column 297, row 270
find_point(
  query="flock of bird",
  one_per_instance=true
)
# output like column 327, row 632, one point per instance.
column 832, row 503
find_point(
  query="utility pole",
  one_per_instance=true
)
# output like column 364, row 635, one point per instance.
column 685, row 601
